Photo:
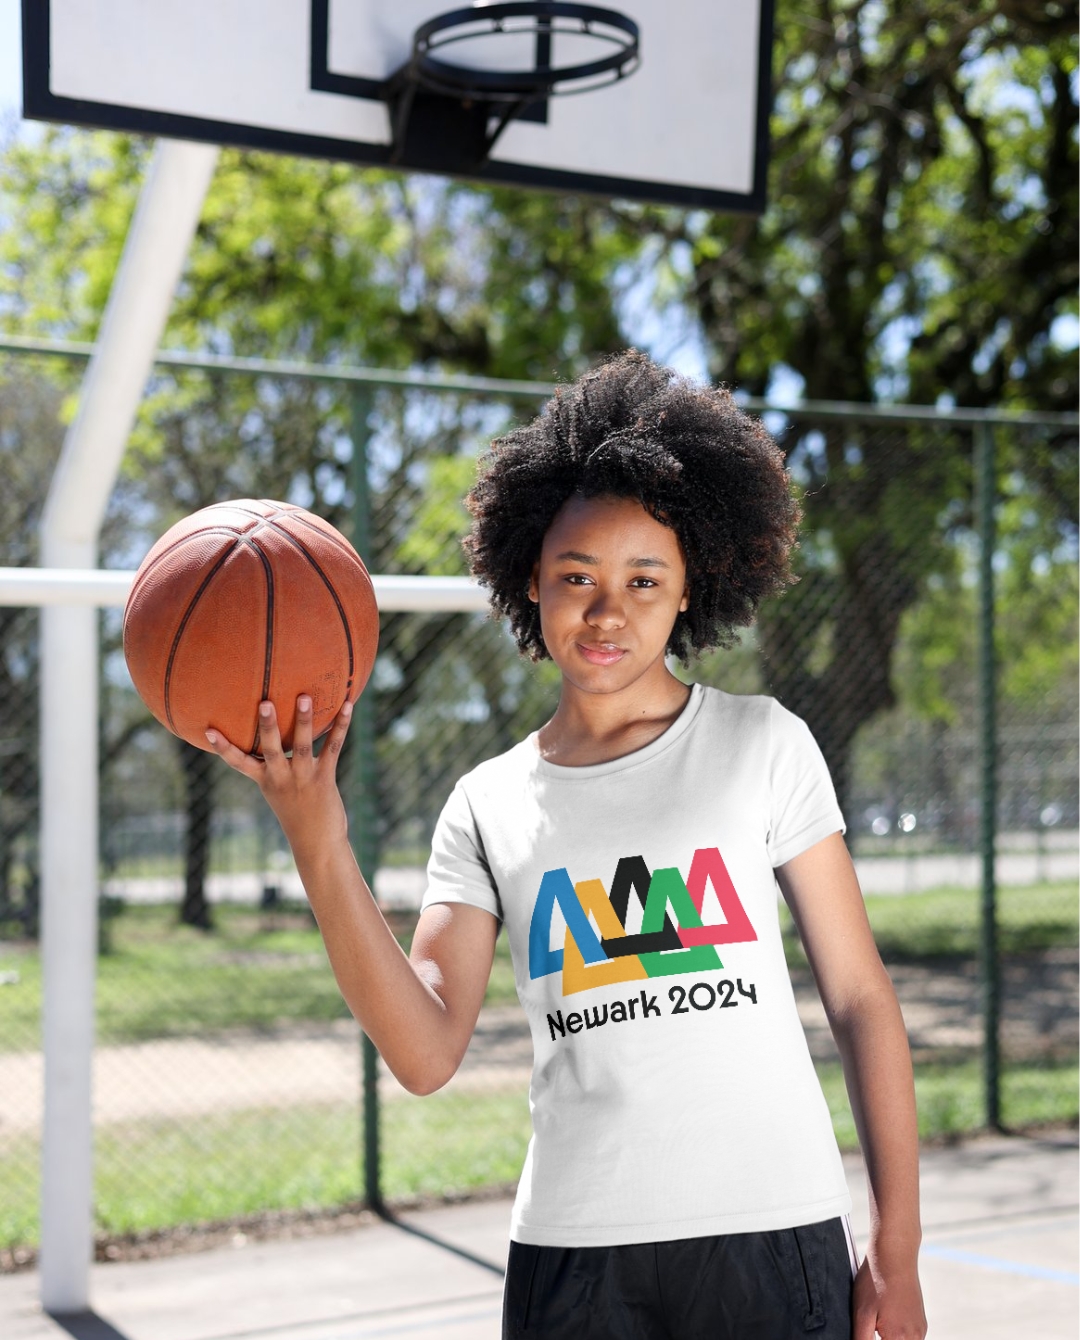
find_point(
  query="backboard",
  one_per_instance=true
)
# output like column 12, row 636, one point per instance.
column 687, row 127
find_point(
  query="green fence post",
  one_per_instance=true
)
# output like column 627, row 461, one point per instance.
column 363, row 782
column 985, row 512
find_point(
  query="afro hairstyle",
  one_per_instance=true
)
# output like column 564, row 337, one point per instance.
column 687, row 453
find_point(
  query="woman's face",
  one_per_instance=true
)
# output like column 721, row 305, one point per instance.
column 610, row 581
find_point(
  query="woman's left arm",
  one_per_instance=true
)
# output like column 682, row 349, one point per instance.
column 822, row 890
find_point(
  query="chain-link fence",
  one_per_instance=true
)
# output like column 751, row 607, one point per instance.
column 229, row 1079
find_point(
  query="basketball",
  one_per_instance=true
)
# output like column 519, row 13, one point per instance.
column 246, row 601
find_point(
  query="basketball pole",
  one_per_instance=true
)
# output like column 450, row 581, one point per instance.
column 157, row 243
column 363, row 783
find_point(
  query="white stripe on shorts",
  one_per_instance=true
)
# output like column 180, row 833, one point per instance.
column 852, row 1250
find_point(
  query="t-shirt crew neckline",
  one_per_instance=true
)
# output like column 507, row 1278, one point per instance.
column 588, row 771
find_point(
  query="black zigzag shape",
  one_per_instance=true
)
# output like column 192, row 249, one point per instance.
column 633, row 873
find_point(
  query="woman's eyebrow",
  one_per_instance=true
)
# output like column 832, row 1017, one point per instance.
column 575, row 556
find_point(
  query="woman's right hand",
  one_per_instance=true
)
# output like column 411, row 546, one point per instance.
column 301, row 790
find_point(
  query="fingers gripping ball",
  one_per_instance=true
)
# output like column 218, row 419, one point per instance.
column 245, row 601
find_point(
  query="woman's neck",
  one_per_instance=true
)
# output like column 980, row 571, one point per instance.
column 598, row 727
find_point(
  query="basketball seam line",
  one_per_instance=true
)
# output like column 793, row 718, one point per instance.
column 268, row 661
column 183, row 624
column 296, row 514
column 220, row 529
column 292, row 539
column 340, row 543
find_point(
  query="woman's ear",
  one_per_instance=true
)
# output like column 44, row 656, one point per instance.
column 685, row 602
column 534, row 584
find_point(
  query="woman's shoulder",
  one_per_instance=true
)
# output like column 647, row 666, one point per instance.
column 748, row 709
column 754, row 718
column 512, row 766
column 749, row 706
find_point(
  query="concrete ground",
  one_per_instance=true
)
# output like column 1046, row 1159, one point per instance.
column 999, row 1262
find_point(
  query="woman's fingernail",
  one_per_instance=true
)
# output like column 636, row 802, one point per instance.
column 304, row 703
column 346, row 709
column 265, row 709
column 211, row 735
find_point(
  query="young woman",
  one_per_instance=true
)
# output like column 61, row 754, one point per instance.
column 683, row 1180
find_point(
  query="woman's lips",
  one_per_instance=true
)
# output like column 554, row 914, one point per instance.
column 607, row 653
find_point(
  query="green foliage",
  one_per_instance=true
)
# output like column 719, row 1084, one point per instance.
column 433, row 545
column 1037, row 611
column 945, row 923
column 921, row 234
column 323, row 261
column 454, row 1141
column 67, row 199
column 30, row 436
column 300, row 259
column 920, row 238
column 920, row 243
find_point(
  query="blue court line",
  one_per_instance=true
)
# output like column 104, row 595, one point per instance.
column 963, row 1258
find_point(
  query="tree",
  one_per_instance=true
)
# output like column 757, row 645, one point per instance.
column 920, row 244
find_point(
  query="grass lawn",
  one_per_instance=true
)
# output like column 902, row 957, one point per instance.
column 160, row 1174
column 950, row 1098
column 944, row 923
column 257, row 970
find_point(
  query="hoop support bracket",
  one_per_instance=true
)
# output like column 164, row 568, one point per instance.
column 446, row 115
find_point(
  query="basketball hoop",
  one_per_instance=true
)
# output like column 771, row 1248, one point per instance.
column 463, row 108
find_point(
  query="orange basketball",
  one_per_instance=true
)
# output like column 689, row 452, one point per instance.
column 246, row 601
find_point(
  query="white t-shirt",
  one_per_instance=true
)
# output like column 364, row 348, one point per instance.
column 672, row 1095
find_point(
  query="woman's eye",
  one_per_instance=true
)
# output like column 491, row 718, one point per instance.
column 643, row 582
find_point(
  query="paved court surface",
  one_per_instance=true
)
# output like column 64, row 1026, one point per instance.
column 999, row 1263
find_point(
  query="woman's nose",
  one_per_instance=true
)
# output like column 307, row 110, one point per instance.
column 606, row 610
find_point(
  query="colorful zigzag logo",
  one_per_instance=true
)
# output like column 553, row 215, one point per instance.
column 673, row 938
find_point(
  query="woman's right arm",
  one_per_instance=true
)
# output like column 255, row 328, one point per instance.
column 420, row 1010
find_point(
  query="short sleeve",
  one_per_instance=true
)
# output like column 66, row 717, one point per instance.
column 457, row 870
column 803, row 807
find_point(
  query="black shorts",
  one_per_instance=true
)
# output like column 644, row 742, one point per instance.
column 779, row 1285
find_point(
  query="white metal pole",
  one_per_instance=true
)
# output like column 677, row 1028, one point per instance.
column 110, row 587
column 69, row 798
column 157, row 244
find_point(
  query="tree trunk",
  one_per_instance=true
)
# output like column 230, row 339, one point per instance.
column 199, row 779
column 870, row 538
